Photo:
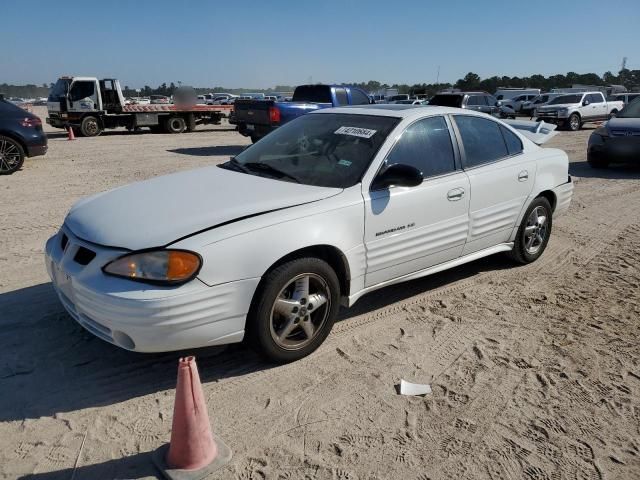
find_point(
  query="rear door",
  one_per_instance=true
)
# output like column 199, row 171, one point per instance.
column 410, row 229
column 477, row 103
column 598, row 106
column 501, row 177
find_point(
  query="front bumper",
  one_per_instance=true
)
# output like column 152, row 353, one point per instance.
column 141, row 317
column 613, row 149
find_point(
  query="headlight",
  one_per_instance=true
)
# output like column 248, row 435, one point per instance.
column 169, row 267
column 563, row 111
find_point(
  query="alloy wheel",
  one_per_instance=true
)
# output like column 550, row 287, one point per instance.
column 536, row 230
column 9, row 155
column 300, row 311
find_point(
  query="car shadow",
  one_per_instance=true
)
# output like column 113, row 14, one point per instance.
column 402, row 291
column 136, row 466
column 49, row 364
column 619, row 171
column 210, row 151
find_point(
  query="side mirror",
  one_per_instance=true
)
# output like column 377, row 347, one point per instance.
column 397, row 175
column 585, row 103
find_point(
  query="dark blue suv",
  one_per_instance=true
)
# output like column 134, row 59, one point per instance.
column 21, row 135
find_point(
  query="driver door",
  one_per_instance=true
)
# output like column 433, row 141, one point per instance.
column 83, row 96
column 408, row 229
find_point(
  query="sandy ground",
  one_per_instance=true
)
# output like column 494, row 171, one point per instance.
column 535, row 370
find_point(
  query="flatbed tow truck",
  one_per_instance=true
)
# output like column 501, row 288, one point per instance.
column 90, row 106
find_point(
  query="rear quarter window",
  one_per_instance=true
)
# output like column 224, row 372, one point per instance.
column 514, row 145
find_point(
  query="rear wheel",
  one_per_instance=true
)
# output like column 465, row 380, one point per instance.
column 11, row 155
column 294, row 310
column 534, row 232
column 90, row 127
column 613, row 113
column 175, row 125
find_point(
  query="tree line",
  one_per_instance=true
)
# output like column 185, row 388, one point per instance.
column 471, row 81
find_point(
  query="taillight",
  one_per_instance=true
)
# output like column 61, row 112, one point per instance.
column 31, row 122
column 274, row 114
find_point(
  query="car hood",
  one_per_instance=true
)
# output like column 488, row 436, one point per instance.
column 161, row 210
column 556, row 106
column 621, row 124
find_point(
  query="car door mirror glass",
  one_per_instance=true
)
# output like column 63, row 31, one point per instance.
column 397, row 175
column 585, row 103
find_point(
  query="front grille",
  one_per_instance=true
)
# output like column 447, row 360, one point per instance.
column 84, row 256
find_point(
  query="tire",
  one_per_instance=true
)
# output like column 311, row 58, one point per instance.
column 613, row 113
column 283, row 324
column 90, row 127
column 11, row 155
column 574, row 123
column 527, row 251
column 191, row 123
column 175, row 125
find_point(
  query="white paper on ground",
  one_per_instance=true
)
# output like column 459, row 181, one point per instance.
column 408, row 388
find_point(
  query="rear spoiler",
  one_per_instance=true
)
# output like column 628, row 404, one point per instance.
column 538, row 132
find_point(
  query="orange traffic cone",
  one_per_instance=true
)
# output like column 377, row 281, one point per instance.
column 70, row 133
column 194, row 452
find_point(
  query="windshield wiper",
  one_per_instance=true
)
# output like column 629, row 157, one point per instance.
column 234, row 164
column 265, row 167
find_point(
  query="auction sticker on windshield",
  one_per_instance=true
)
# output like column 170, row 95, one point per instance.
column 356, row 132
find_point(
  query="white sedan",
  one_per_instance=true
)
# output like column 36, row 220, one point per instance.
column 325, row 209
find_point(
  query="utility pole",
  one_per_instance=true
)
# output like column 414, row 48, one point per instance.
column 438, row 75
column 624, row 63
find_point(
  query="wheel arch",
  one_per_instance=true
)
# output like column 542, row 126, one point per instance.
column 550, row 196
column 330, row 254
column 13, row 136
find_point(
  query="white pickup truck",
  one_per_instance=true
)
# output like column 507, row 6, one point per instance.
column 573, row 110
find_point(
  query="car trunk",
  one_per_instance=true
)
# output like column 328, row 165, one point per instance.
column 253, row 112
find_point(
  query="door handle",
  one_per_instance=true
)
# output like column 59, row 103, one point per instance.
column 523, row 176
column 455, row 194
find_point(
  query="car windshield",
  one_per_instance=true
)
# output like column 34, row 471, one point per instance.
column 446, row 100
column 59, row 89
column 324, row 150
column 632, row 110
column 562, row 99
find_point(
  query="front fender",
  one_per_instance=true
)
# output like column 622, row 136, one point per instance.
column 250, row 247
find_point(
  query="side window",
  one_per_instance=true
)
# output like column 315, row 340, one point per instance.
column 341, row 96
column 514, row 145
column 596, row 98
column 425, row 145
column 481, row 138
column 81, row 90
column 475, row 100
column 359, row 98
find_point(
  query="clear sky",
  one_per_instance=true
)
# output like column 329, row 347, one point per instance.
column 264, row 43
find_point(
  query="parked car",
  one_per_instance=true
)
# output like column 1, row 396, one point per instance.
column 517, row 102
column 530, row 106
column 507, row 93
column 21, row 136
column 411, row 101
column 396, row 98
column 624, row 97
column 478, row 101
column 325, row 209
column 618, row 140
column 159, row 99
column 573, row 110
column 256, row 119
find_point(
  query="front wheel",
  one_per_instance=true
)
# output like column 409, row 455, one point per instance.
column 574, row 122
column 294, row 309
column 534, row 232
column 11, row 155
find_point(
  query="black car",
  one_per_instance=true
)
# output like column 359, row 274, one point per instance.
column 21, row 135
column 618, row 140
column 478, row 101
